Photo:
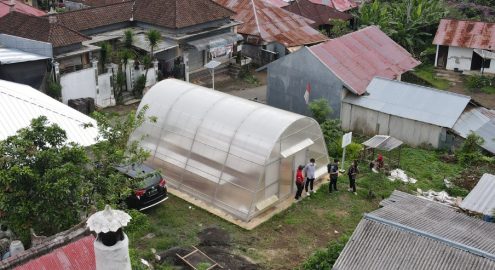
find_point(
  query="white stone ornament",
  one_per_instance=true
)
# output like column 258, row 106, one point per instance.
column 108, row 220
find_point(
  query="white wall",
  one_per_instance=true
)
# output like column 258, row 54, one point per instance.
column 459, row 58
column 79, row 84
column 370, row 122
column 491, row 69
column 105, row 96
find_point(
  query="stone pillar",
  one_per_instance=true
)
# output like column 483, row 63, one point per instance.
column 56, row 69
column 155, row 68
column 111, row 245
column 130, row 74
column 186, row 66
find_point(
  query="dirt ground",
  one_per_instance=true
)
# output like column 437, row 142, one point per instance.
column 457, row 86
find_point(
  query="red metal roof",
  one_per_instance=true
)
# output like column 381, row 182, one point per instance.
column 466, row 34
column 78, row 255
column 19, row 7
column 359, row 56
column 273, row 24
column 340, row 5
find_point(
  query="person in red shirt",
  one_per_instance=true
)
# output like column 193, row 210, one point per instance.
column 299, row 181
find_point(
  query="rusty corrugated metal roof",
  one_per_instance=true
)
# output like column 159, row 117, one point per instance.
column 359, row 56
column 278, row 3
column 321, row 14
column 273, row 24
column 466, row 34
column 78, row 255
column 340, row 5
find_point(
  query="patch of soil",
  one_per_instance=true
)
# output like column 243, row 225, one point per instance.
column 214, row 237
column 215, row 243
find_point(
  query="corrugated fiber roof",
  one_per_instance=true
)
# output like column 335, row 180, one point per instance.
column 412, row 101
column 482, row 198
column 466, row 34
column 19, row 104
column 359, row 56
column 383, row 142
column 481, row 121
column 415, row 233
column 10, row 56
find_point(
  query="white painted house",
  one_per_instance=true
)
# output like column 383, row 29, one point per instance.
column 465, row 46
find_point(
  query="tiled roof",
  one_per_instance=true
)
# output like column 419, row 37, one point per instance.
column 272, row 23
column 358, row 57
column 466, row 34
column 415, row 233
column 89, row 18
column 39, row 28
column 99, row 3
column 19, row 7
column 321, row 14
column 164, row 13
column 179, row 13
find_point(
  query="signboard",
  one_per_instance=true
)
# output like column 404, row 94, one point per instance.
column 346, row 139
column 221, row 51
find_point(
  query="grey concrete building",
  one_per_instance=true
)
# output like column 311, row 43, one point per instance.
column 347, row 63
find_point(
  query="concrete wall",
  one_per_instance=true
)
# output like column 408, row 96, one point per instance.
column 369, row 122
column 459, row 58
column 79, row 84
column 104, row 97
column 85, row 83
column 289, row 76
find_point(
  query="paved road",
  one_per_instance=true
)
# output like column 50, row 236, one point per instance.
column 252, row 93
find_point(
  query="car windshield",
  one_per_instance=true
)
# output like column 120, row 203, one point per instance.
column 151, row 180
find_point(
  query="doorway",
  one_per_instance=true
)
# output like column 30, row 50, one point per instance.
column 443, row 53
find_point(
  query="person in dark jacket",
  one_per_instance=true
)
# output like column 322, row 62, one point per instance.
column 352, row 173
column 333, row 171
column 299, row 181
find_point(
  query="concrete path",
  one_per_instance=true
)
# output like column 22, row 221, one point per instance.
column 257, row 93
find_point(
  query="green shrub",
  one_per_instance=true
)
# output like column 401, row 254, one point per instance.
column 470, row 152
column 324, row 259
column 138, row 225
column 139, row 86
column 54, row 89
column 477, row 82
column 488, row 89
column 320, row 110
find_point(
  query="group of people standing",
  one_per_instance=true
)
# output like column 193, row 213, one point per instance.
column 305, row 176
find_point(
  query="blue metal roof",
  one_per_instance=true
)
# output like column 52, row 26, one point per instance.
column 412, row 101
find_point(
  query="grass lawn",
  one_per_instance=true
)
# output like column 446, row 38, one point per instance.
column 289, row 238
column 427, row 73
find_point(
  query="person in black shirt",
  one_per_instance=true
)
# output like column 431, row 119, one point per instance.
column 333, row 171
column 352, row 173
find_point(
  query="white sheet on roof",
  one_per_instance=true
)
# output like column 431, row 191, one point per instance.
column 20, row 103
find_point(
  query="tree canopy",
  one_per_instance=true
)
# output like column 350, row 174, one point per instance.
column 49, row 184
column 411, row 23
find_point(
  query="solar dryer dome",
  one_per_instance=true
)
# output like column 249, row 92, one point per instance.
column 231, row 153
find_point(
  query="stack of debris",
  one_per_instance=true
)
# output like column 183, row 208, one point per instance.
column 442, row 197
column 399, row 174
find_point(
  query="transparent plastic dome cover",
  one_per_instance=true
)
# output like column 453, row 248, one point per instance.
column 232, row 153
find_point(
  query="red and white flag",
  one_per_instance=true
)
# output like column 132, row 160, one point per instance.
column 307, row 92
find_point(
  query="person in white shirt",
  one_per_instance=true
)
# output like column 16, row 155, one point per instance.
column 309, row 172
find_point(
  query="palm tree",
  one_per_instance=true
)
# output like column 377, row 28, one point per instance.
column 153, row 37
column 128, row 39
